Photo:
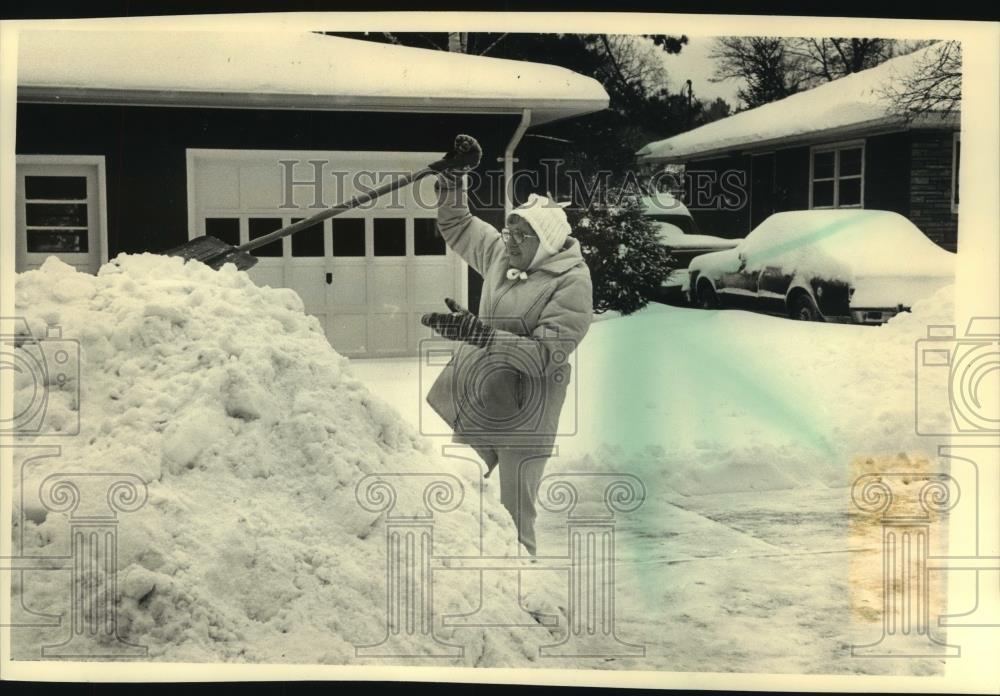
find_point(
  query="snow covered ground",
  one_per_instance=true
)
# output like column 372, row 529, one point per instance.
column 251, row 433
column 723, row 401
column 747, row 431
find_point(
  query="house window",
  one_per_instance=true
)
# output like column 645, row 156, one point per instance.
column 956, row 154
column 59, row 210
column 55, row 211
column 837, row 176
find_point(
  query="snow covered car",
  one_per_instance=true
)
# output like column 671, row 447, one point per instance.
column 679, row 233
column 861, row 266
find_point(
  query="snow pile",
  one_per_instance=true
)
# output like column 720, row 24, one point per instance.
column 842, row 244
column 663, row 203
column 698, row 402
column 802, row 243
column 252, row 435
column 885, row 259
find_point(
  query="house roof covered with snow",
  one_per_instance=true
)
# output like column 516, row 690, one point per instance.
column 285, row 69
column 857, row 104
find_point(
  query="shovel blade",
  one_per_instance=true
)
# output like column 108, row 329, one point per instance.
column 213, row 252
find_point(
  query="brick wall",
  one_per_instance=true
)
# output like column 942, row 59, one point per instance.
column 930, row 186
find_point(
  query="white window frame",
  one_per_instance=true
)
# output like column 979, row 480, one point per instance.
column 102, row 187
column 836, row 179
column 956, row 140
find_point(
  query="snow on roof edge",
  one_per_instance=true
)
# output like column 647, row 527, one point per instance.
column 851, row 104
column 290, row 70
column 543, row 112
column 876, row 126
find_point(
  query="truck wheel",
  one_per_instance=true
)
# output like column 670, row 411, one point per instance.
column 804, row 309
column 707, row 299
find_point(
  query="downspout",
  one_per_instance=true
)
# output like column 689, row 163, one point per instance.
column 508, row 162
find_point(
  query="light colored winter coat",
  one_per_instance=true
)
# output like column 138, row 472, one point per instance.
column 511, row 393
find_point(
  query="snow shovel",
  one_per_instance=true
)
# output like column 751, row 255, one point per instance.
column 214, row 252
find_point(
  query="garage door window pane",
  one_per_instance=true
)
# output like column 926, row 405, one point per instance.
column 226, row 229
column 390, row 237
column 823, row 165
column 850, row 192
column 308, row 242
column 55, row 188
column 348, row 237
column 850, row 162
column 56, row 214
column 822, row 194
column 56, row 241
column 260, row 227
column 427, row 241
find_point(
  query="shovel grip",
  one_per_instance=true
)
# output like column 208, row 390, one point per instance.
column 462, row 160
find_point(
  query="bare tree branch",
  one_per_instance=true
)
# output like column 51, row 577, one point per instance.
column 430, row 42
column 776, row 67
column 492, row 45
column 612, row 60
column 933, row 86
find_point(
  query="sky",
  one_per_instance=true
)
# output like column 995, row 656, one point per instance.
column 693, row 63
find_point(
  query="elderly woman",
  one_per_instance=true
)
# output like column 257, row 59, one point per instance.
column 504, row 388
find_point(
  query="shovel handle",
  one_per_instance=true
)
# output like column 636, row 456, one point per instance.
column 460, row 161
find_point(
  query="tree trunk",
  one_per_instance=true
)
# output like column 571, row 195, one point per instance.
column 457, row 41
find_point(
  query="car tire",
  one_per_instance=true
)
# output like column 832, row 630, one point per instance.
column 706, row 298
column 803, row 308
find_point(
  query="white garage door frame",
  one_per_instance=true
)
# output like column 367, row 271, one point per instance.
column 362, row 295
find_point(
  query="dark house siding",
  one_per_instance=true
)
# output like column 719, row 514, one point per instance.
column 906, row 172
column 761, row 188
column 887, row 182
column 144, row 150
column 717, row 194
column 791, row 179
column 787, row 182
column 930, row 186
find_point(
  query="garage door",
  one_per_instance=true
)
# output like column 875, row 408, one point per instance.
column 367, row 274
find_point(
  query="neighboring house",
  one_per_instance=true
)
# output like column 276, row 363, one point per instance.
column 839, row 145
column 133, row 141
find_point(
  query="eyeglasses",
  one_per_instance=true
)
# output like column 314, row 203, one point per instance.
column 516, row 235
